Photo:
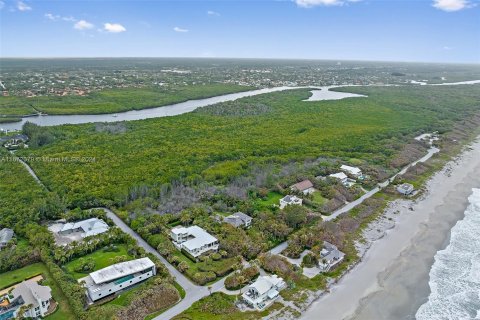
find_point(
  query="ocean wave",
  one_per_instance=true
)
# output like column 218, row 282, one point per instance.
column 455, row 274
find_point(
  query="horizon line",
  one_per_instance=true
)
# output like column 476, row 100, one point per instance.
column 236, row 58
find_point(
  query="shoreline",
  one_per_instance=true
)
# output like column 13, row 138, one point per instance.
column 391, row 279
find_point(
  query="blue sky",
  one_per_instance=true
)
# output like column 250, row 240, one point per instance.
column 418, row 30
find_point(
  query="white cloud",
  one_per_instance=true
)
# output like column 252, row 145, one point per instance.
column 69, row 19
column 451, row 5
column 56, row 17
column 51, row 16
column 2, row 4
column 177, row 29
column 114, row 27
column 314, row 3
column 213, row 13
column 83, row 25
column 447, row 48
column 22, row 6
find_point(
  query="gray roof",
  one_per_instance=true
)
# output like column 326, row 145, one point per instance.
column 331, row 252
column 405, row 188
column 237, row 219
column 120, row 270
column 290, row 198
column 31, row 292
column 91, row 227
column 6, row 235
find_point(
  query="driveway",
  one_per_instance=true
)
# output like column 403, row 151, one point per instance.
column 193, row 292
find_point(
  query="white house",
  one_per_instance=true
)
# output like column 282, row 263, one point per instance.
column 194, row 240
column 263, row 292
column 6, row 236
column 342, row 177
column 290, row 200
column 88, row 227
column 354, row 171
column 27, row 293
column 330, row 257
column 239, row 219
column 305, row 186
column 405, row 189
column 117, row 277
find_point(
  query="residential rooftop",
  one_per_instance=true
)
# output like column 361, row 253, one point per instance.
column 31, row 292
column 120, row 270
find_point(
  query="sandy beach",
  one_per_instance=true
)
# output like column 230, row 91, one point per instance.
column 391, row 281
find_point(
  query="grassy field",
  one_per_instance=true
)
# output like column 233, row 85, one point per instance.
column 102, row 259
column 273, row 198
column 111, row 101
column 318, row 198
column 12, row 277
column 216, row 147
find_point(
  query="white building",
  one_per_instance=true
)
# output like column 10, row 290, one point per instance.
column 305, row 186
column 405, row 189
column 87, row 228
column 6, row 236
column 263, row 292
column 342, row 177
column 117, row 277
column 354, row 171
column 290, row 200
column 239, row 219
column 27, row 293
column 194, row 240
column 330, row 257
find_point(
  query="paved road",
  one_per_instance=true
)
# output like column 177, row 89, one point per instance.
column 29, row 169
column 193, row 291
column 382, row 185
column 282, row 246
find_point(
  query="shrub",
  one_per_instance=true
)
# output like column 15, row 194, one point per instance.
column 174, row 260
column 111, row 248
column 85, row 265
column 73, row 291
column 309, row 261
column 278, row 265
column 118, row 259
column 216, row 256
column 203, row 278
column 166, row 248
column 240, row 279
column 182, row 266
column 158, row 297
column 223, row 253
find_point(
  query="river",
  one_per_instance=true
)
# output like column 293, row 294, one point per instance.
column 320, row 93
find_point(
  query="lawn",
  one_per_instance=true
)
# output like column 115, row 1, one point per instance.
column 318, row 198
column 272, row 198
column 102, row 259
column 63, row 311
column 219, row 306
column 12, row 277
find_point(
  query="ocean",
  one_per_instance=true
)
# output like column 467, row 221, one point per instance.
column 455, row 273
